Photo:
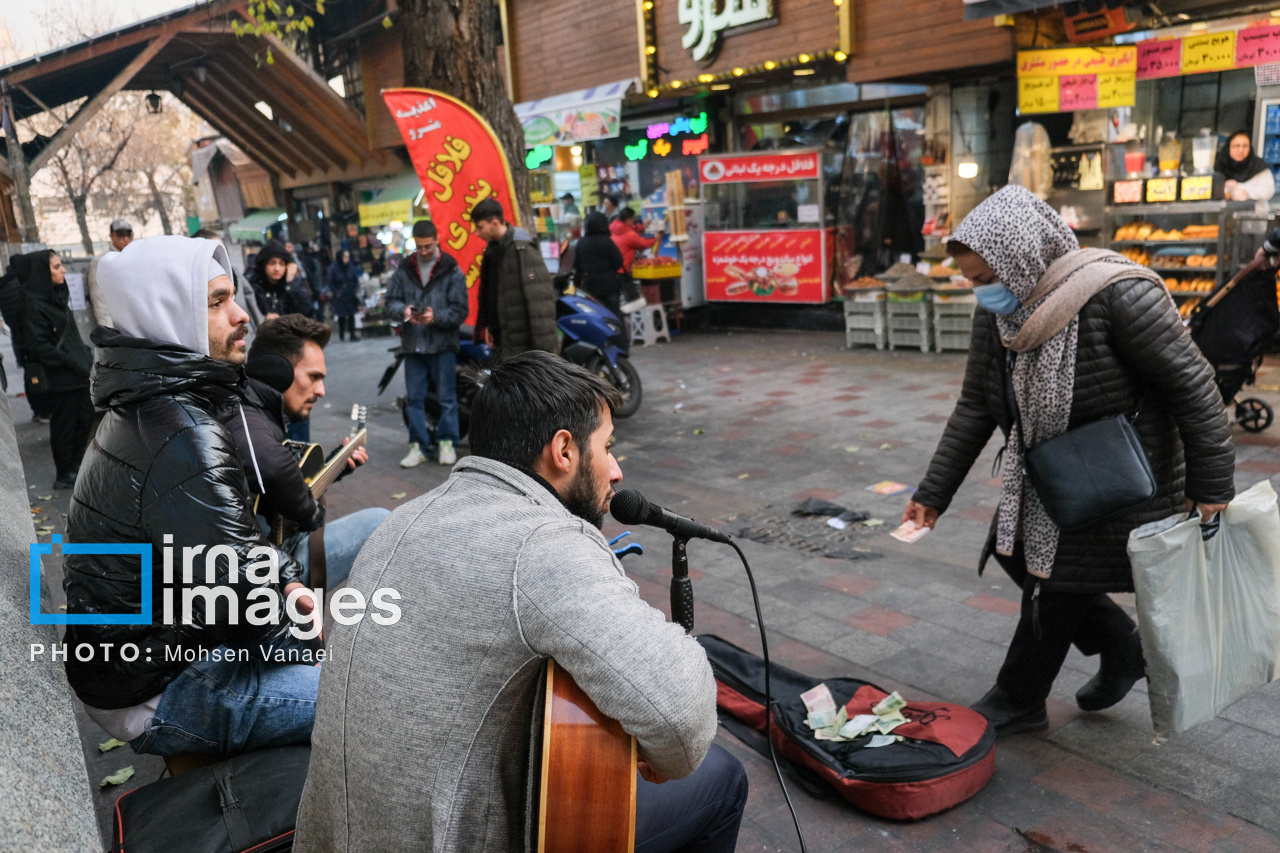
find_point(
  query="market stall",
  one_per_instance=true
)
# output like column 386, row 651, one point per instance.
column 765, row 237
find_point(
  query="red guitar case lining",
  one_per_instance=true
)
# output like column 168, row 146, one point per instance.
column 948, row 756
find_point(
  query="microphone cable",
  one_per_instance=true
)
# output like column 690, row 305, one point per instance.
column 768, row 694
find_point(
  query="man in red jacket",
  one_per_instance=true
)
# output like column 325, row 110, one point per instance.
column 624, row 232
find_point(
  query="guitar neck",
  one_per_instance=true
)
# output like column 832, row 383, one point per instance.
column 336, row 465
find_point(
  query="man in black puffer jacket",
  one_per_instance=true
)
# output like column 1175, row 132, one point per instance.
column 163, row 473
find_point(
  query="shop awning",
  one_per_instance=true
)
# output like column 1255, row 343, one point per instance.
column 975, row 10
column 575, row 116
column 249, row 229
column 394, row 203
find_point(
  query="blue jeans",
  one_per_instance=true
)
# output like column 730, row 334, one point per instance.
column 229, row 707
column 701, row 812
column 343, row 539
column 422, row 370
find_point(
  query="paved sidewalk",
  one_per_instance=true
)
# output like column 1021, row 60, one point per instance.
column 738, row 426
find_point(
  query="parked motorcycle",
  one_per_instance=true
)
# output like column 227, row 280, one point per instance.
column 594, row 338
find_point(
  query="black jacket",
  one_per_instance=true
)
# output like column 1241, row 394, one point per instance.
column 1132, row 349
column 269, row 467
column 50, row 339
column 283, row 297
column 160, row 465
column 517, row 296
column 445, row 293
column 597, row 261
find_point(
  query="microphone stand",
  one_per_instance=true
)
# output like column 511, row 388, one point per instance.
column 681, row 585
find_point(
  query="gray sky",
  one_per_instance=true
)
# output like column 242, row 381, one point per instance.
column 27, row 33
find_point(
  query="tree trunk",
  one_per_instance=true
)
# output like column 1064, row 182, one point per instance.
column 81, row 206
column 452, row 46
column 157, row 201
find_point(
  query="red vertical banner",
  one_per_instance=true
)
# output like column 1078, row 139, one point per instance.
column 460, row 163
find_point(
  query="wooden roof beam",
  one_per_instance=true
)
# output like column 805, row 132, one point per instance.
column 233, row 91
column 90, row 108
column 295, row 111
column 246, row 138
column 344, row 117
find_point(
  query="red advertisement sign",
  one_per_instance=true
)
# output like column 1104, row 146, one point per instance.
column 1077, row 92
column 1257, row 46
column 460, row 163
column 759, row 167
column 1159, row 58
column 764, row 266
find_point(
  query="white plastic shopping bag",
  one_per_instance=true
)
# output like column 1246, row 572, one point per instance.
column 1208, row 612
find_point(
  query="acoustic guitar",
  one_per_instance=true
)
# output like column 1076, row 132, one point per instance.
column 318, row 472
column 587, row 801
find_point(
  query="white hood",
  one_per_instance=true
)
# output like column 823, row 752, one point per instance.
column 158, row 288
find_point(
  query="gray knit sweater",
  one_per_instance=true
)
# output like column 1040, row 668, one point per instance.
column 423, row 730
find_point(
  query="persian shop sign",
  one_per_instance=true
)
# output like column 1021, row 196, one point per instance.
column 758, row 167
column 566, row 127
column 710, row 20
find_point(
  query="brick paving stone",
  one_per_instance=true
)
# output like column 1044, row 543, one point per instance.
column 945, row 396
column 1177, row 820
column 1003, row 606
column 1255, row 466
column 789, row 450
column 980, row 514
column 855, row 389
column 933, row 419
column 851, row 584
column 879, row 423
column 780, row 393
column 1257, row 440
column 846, row 398
column 820, row 494
column 878, row 620
column 732, row 435
column 800, row 436
column 1103, row 791
column 851, row 413
column 727, row 393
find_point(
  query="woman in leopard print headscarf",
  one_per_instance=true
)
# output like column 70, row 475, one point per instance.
column 1094, row 335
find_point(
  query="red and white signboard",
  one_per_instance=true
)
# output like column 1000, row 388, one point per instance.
column 781, row 166
column 764, row 266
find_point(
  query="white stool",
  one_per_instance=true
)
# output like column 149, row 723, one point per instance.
column 649, row 325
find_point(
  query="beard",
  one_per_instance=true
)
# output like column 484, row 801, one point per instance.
column 226, row 349
column 583, row 498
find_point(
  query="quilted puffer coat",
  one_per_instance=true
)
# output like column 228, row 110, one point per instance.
column 1133, row 350
column 160, row 464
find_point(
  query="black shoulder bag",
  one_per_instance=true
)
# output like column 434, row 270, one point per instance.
column 1087, row 475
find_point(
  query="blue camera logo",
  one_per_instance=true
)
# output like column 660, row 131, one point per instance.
column 38, row 618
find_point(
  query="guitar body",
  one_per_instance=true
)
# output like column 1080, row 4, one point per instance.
column 588, row 792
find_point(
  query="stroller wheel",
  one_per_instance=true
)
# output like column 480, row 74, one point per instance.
column 1253, row 415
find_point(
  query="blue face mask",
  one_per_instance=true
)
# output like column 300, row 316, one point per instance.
column 996, row 298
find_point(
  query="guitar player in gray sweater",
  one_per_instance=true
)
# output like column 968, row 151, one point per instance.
column 428, row 730
column 286, row 371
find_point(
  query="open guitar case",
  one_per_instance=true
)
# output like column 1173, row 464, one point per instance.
column 947, row 756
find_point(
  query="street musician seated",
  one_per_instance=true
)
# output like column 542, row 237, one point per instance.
column 287, row 359
column 424, row 737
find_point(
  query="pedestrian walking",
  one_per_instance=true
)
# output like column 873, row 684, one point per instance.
column 277, row 284
column 517, row 298
column 343, row 284
column 429, row 291
column 598, row 264
column 1071, row 337
column 121, row 236
column 12, row 286
column 58, row 361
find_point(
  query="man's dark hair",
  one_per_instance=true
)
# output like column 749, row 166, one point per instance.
column 526, row 399
column 286, row 335
column 425, row 228
column 207, row 234
column 612, row 199
column 486, row 210
column 626, row 214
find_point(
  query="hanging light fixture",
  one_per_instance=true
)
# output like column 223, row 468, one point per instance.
column 154, row 106
column 967, row 168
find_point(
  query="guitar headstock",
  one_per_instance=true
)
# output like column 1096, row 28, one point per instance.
column 359, row 414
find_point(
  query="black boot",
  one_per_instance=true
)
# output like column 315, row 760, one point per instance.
column 1121, row 668
column 1008, row 716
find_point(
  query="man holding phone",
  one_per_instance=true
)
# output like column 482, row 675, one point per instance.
column 429, row 292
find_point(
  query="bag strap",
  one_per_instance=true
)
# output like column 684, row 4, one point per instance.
column 233, row 817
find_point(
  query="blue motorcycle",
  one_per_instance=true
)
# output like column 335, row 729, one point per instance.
column 594, row 338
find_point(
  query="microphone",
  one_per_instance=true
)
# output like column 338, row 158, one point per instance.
column 630, row 507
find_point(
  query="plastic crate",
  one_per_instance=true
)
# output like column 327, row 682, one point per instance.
column 951, row 340
column 864, row 322
column 953, row 324
column 911, row 340
column 899, row 323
